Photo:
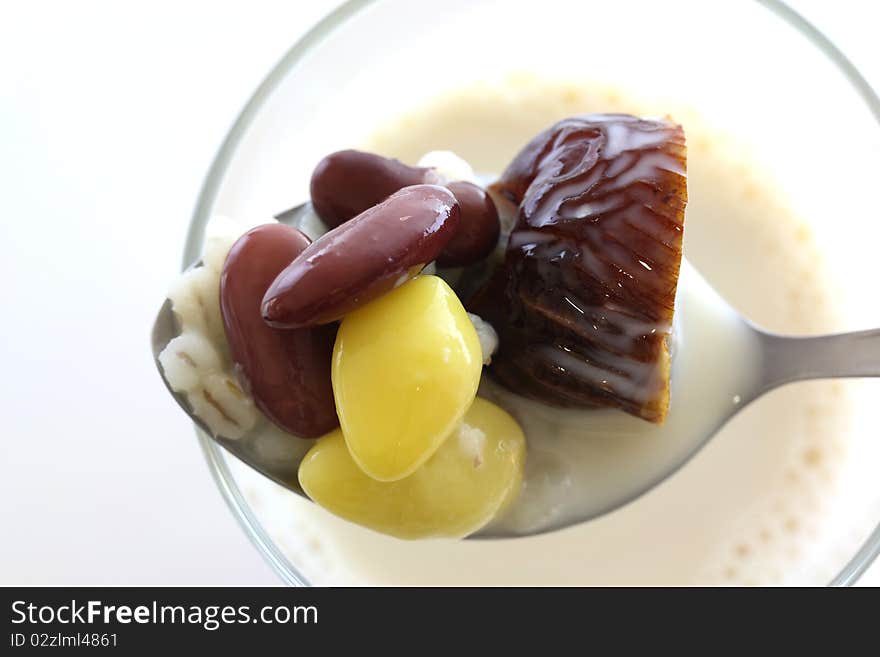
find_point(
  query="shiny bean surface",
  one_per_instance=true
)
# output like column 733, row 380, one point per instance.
column 357, row 262
column 472, row 477
column 478, row 230
column 286, row 371
column 346, row 183
column 405, row 369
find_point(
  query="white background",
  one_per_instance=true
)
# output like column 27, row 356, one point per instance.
column 110, row 114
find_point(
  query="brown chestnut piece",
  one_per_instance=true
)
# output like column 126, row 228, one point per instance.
column 346, row 183
column 362, row 259
column 584, row 301
column 287, row 372
column 478, row 230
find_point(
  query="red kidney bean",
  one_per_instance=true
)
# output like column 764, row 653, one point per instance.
column 346, row 183
column 287, row 372
column 362, row 259
column 477, row 232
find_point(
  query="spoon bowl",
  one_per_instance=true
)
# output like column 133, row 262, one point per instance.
column 604, row 459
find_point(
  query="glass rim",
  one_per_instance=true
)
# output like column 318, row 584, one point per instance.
column 223, row 478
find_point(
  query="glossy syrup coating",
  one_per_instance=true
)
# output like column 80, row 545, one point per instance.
column 478, row 230
column 362, row 259
column 584, row 301
column 346, row 183
column 286, row 371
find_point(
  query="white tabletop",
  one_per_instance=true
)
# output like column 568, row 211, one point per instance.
column 110, row 114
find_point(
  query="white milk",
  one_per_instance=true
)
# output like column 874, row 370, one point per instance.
column 751, row 507
column 582, row 463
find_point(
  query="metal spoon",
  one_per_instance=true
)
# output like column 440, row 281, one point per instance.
column 783, row 359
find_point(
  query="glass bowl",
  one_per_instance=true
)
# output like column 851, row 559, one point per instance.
column 759, row 70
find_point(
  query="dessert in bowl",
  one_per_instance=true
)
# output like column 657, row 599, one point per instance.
column 737, row 513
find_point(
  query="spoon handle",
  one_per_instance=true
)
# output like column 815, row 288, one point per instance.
column 786, row 358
